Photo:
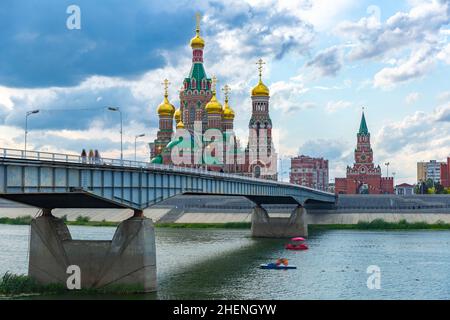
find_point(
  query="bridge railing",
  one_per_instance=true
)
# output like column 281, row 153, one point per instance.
column 70, row 158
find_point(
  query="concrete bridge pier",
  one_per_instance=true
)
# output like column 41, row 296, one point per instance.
column 264, row 226
column 128, row 261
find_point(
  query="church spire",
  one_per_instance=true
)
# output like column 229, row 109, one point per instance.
column 363, row 126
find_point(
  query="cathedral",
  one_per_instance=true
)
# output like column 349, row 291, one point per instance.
column 200, row 132
column 364, row 177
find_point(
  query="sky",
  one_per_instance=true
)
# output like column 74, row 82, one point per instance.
column 325, row 60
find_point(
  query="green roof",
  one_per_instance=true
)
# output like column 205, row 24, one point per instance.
column 198, row 73
column 363, row 126
column 158, row 159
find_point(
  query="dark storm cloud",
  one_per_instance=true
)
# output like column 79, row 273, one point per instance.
column 117, row 38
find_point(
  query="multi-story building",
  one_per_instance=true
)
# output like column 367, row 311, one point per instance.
column 201, row 115
column 421, row 171
column 309, row 172
column 434, row 171
column 364, row 177
column 445, row 173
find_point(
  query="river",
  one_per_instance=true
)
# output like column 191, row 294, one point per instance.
column 223, row 263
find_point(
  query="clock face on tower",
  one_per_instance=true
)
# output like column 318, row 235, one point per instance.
column 363, row 157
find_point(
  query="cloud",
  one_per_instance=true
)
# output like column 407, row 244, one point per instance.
column 327, row 62
column 415, row 132
column 373, row 38
column 419, row 34
column 327, row 148
column 266, row 28
column 444, row 97
column 417, row 65
column 39, row 51
column 419, row 136
column 444, row 54
column 333, row 106
column 412, row 98
column 337, row 152
column 287, row 96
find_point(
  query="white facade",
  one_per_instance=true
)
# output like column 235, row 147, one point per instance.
column 433, row 172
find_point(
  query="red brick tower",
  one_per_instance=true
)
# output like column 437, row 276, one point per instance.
column 364, row 177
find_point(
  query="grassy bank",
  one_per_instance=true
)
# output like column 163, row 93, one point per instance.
column 377, row 224
column 85, row 221
column 380, row 224
column 21, row 285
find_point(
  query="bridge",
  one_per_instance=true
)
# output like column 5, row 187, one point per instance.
column 51, row 180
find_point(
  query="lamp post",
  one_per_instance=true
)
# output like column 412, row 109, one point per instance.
column 26, row 127
column 121, row 131
column 135, row 139
column 387, row 169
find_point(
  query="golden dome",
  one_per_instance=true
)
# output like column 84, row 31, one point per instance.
column 260, row 89
column 166, row 108
column 197, row 42
column 228, row 113
column 180, row 125
column 213, row 106
column 177, row 115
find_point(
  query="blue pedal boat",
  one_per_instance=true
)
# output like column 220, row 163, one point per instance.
column 274, row 266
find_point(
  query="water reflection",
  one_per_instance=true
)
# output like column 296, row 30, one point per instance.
column 223, row 264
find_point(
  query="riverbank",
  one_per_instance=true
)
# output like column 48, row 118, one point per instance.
column 377, row 224
column 13, row 286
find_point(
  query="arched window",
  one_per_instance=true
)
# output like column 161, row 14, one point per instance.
column 257, row 171
column 193, row 83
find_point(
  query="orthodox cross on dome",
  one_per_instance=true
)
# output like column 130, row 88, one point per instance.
column 226, row 90
column 197, row 21
column 260, row 66
column 166, row 84
column 213, row 84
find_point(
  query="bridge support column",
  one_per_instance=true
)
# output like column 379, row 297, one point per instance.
column 127, row 262
column 264, row 226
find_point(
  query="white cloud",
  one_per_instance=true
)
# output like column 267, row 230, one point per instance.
column 412, row 97
column 417, row 65
column 444, row 54
column 333, row 106
column 372, row 38
column 419, row 33
column 420, row 136
column 444, row 97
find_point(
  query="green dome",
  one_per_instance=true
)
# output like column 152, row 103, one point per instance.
column 158, row 159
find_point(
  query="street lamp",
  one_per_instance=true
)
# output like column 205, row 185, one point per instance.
column 135, row 139
column 26, row 127
column 121, row 132
column 387, row 169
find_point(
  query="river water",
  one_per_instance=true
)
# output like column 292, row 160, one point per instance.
column 223, row 263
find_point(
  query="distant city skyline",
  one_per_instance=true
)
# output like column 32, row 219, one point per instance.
column 323, row 64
